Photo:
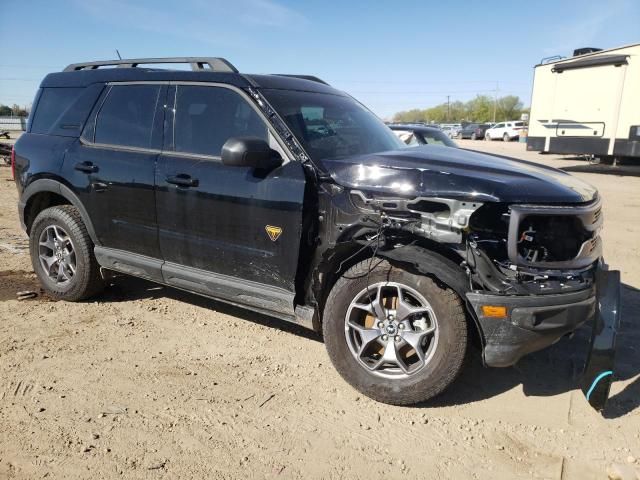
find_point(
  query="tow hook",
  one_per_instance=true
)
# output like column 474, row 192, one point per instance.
column 599, row 369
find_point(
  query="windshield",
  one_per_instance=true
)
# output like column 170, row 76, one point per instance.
column 330, row 126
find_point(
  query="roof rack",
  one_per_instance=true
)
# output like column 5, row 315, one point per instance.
column 198, row 64
column 312, row 78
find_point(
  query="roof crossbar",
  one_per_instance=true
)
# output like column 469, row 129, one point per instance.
column 198, row 64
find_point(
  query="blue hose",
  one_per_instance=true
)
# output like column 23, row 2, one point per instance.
column 595, row 382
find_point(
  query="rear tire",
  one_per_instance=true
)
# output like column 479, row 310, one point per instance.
column 505, row 137
column 487, row 137
column 62, row 254
column 473, row 136
column 442, row 332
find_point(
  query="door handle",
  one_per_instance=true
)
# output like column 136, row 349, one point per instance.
column 182, row 180
column 86, row 167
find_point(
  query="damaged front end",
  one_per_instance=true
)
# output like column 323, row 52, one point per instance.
column 537, row 265
column 527, row 271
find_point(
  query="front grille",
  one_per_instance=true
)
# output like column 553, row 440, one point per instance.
column 554, row 237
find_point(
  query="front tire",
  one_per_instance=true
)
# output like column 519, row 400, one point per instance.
column 505, row 138
column 487, row 137
column 473, row 136
column 397, row 337
column 62, row 254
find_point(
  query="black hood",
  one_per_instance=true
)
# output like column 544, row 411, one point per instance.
column 435, row 171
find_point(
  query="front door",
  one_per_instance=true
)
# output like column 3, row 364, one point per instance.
column 230, row 232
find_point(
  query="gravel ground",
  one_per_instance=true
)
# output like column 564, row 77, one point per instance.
column 150, row 382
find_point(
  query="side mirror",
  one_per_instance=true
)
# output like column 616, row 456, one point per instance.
column 250, row 152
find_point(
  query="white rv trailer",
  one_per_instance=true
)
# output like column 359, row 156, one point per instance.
column 588, row 104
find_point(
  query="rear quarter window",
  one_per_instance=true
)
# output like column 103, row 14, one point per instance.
column 52, row 105
column 126, row 116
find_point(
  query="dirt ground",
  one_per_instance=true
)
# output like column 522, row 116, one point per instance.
column 150, row 382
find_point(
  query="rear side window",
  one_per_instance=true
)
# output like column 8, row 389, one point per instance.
column 53, row 104
column 206, row 117
column 126, row 116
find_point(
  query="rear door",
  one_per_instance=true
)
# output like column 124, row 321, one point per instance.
column 112, row 167
column 230, row 232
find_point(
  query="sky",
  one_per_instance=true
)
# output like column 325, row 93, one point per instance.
column 391, row 56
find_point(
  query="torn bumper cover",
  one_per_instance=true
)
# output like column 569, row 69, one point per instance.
column 533, row 322
column 598, row 371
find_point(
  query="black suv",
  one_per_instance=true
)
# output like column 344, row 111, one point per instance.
column 286, row 196
column 474, row 131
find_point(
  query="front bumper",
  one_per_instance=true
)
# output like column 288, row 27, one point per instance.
column 533, row 322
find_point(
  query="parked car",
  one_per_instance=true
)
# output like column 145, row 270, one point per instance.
column 286, row 196
column 450, row 130
column 474, row 131
column 414, row 135
column 506, row 131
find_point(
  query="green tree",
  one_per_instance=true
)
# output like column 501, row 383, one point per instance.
column 5, row 111
column 480, row 109
column 509, row 107
column 410, row 116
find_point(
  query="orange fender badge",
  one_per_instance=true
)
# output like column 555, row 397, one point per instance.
column 273, row 232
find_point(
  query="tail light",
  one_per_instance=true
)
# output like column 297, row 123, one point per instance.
column 13, row 162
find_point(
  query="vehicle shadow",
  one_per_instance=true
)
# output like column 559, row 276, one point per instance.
column 558, row 368
column 125, row 288
column 549, row 372
column 619, row 170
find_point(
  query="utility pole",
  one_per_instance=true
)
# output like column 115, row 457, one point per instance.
column 495, row 103
column 448, row 108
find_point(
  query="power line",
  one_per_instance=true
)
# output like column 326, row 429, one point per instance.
column 28, row 66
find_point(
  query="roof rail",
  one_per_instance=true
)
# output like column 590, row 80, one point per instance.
column 551, row 59
column 199, row 64
column 312, row 78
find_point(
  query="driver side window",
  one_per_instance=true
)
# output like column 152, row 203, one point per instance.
column 206, row 117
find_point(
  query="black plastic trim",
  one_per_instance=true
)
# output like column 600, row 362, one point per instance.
column 535, row 144
column 539, row 321
column 626, row 148
column 595, row 61
column 586, row 145
column 54, row 186
column 130, row 263
column 259, row 296
column 591, row 217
